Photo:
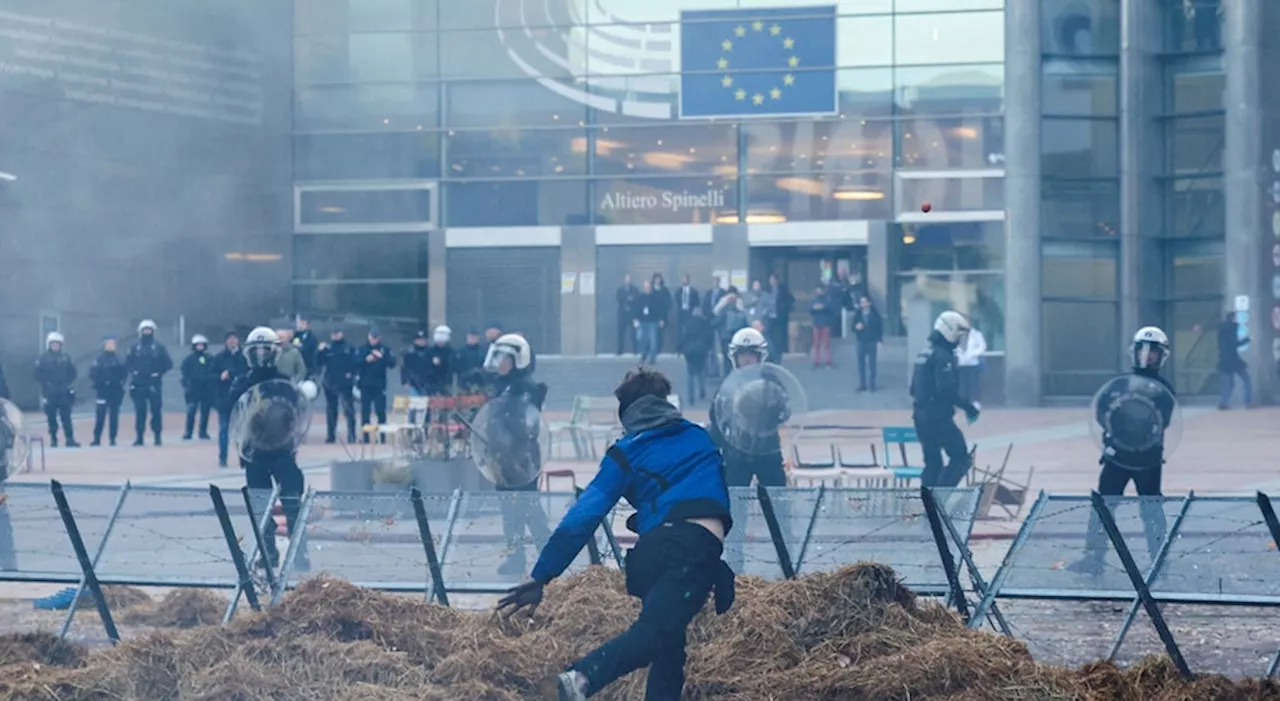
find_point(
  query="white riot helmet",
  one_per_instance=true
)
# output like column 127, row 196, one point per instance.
column 1150, row 348
column 145, row 325
column 952, row 326
column 442, row 334
column 262, row 347
column 53, row 337
column 198, row 339
column 509, row 346
column 748, row 340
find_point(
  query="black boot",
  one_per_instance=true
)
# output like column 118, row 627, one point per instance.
column 157, row 438
column 138, row 440
column 95, row 443
column 71, row 441
column 53, row 441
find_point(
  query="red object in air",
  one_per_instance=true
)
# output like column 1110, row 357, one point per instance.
column 926, row 207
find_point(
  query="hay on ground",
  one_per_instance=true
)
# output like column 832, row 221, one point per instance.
column 856, row 635
column 118, row 598
column 180, row 608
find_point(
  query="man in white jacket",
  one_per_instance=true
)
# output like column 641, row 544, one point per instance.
column 969, row 363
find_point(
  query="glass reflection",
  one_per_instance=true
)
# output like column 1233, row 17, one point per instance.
column 1080, row 148
column 952, row 194
column 819, row 197
column 1071, row 209
column 979, row 296
column 366, row 107
column 364, row 58
column 1194, row 26
column 950, row 37
column 950, row 89
column 1080, row 27
column 515, row 203
column 375, row 156
column 874, row 44
column 819, row 146
column 682, row 149
column 936, row 143
column 382, row 301
column 515, row 153
column 511, row 103
column 951, row 246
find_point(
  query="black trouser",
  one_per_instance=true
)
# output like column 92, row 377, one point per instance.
column 224, row 430
column 768, row 471
column 107, row 411
column 626, row 330
column 867, row 365
column 1111, row 483
column 696, row 366
column 937, row 435
column 59, row 408
column 332, row 400
column 519, row 515
column 198, row 402
column 672, row 570
column 266, row 474
column 145, row 398
column 373, row 401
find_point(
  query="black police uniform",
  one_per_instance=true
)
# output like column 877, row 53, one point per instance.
column 235, row 365
column 265, row 469
column 520, row 390
column 199, row 388
column 371, row 378
column 337, row 365
column 57, row 377
column 107, row 373
column 935, row 391
column 415, row 367
column 307, row 344
column 468, row 365
column 147, row 363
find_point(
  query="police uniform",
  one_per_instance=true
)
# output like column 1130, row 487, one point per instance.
column 337, row 364
column 107, row 373
column 373, row 361
column 935, row 393
column 199, row 388
column 57, row 376
column 147, row 363
column 521, row 456
column 233, row 364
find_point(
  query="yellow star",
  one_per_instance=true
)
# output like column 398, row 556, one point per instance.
column 740, row 31
column 776, row 94
column 775, row 30
column 722, row 63
column 788, row 43
column 740, row 94
column 757, row 99
column 726, row 81
column 727, row 45
column 793, row 61
column 758, row 26
column 788, row 80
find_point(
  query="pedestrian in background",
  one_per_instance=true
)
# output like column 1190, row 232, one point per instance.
column 290, row 362
column 1230, row 364
column 822, row 316
column 228, row 365
column 868, row 330
column 696, row 342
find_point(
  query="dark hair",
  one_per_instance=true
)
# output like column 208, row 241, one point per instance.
column 1231, row 316
column 644, row 381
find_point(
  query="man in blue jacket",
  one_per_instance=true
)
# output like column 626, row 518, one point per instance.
column 670, row 471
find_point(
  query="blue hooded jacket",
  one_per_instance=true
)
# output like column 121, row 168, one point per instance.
column 667, row 468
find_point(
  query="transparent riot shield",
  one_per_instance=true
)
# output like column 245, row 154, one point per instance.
column 1136, row 421
column 760, row 409
column 271, row 417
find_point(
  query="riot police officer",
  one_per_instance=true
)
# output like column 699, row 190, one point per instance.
column 440, row 363
column 375, row 360
column 199, row 386
column 415, row 367
column 308, row 345
column 337, row 364
column 935, row 394
column 228, row 365
column 57, row 377
column 107, row 373
column 147, row 363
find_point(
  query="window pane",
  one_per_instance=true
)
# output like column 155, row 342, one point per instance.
column 662, row 11
column 504, row 104
column 1079, row 148
column 819, row 197
column 358, row 156
column 366, row 107
column 484, row 53
column 952, row 194
column 1196, row 208
column 865, row 92
column 1197, row 92
column 360, row 256
column 946, row 5
column 1193, row 27
column 1196, row 144
column 1079, row 270
column 966, row 37
column 370, row 206
column 1079, row 88
column 629, row 49
column 364, row 58
column 980, row 296
column 952, row 246
column 515, row 153
column 1193, row 366
column 1080, row 27
column 1071, row 209
column 674, row 149
column 1197, row 271
column 516, row 203
column 864, row 41
column 950, row 89
column 668, row 201
column 1066, row 349
column 389, row 301
column 941, row 143
column 341, row 16
column 516, row 15
column 810, row 146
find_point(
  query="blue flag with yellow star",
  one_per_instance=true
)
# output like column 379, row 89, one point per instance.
column 768, row 62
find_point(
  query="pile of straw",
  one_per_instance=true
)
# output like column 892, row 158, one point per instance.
column 855, row 634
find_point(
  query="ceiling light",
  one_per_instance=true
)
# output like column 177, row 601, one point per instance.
column 332, row 210
column 857, row 195
column 7, row 177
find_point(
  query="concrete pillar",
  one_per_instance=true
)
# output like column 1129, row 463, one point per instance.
column 1022, row 198
column 730, row 249
column 437, row 280
column 578, row 310
column 1248, row 173
column 1141, row 162
column 882, row 263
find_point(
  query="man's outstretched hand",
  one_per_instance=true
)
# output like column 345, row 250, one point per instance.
column 524, row 596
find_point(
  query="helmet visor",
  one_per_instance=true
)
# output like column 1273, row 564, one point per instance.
column 497, row 354
column 1148, row 354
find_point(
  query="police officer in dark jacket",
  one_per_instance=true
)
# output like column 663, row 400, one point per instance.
column 265, row 469
column 337, row 365
column 374, row 360
column 57, row 377
column 228, row 365
column 415, row 370
column 147, row 363
column 107, row 373
column 440, row 363
column 1230, row 364
column 199, row 386
column 935, row 393
column 469, row 363
column 1123, row 462
column 669, row 470
column 308, row 345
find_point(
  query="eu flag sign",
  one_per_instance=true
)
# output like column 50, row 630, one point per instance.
column 758, row 62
